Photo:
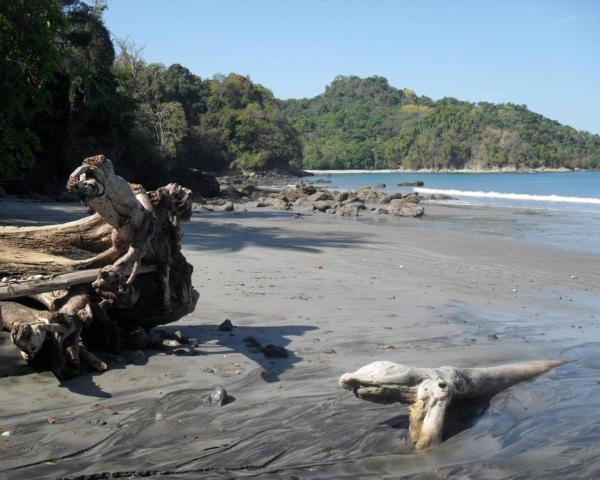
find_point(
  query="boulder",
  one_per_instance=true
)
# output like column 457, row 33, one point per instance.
column 230, row 192
column 412, row 198
column 348, row 210
column 322, row 205
column 402, row 208
column 305, row 189
column 418, row 183
column 393, row 196
column 320, row 195
column 202, row 184
column 340, row 196
column 368, row 195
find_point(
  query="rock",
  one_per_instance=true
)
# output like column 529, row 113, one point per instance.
column 181, row 337
column 441, row 196
column 367, row 194
column 278, row 203
column 290, row 194
column 350, row 209
column 322, row 205
column 305, row 189
column 340, row 196
column 5, row 434
column 226, row 326
column 218, row 397
column 137, row 339
column 412, row 197
column 402, row 208
column 170, row 343
column 381, row 211
column 252, row 344
column 393, row 196
column 275, row 351
column 320, row 196
column 228, row 207
column 418, row 183
column 380, row 185
column 200, row 183
column 229, row 192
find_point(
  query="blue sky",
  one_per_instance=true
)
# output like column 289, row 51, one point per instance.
column 545, row 53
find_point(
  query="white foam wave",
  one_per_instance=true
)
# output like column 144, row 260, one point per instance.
column 511, row 196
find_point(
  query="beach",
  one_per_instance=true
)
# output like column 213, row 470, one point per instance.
column 337, row 293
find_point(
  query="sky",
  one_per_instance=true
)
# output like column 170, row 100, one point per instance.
column 541, row 53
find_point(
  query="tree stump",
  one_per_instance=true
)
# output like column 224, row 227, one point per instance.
column 75, row 287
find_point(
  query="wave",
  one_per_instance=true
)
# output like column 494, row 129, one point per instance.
column 511, row 196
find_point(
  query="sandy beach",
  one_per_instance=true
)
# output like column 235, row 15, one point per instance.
column 337, row 293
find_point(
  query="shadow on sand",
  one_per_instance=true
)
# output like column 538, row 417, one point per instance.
column 204, row 233
column 211, row 341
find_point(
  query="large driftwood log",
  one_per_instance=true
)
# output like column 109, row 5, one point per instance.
column 429, row 392
column 120, row 269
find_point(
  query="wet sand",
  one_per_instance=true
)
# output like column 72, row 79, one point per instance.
column 337, row 293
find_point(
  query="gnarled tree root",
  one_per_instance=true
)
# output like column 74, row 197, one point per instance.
column 429, row 392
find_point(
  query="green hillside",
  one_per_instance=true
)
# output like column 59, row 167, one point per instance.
column 366, row 123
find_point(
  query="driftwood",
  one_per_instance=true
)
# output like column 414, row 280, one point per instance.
column 429, row 392
column 88, row 280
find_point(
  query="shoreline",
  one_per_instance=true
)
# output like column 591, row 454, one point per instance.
column 463, row 170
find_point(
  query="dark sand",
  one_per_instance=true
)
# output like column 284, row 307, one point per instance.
column 334, row 292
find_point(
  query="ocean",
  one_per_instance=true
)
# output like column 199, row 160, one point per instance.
column 554, row 209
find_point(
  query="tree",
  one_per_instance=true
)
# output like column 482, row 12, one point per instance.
column 28, row 60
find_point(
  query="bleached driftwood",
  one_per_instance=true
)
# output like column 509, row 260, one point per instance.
column 119, row 269
column 430, row 391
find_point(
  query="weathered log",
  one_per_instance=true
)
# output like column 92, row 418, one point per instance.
column 27, row 288
column 430, row 391
column 101, row 287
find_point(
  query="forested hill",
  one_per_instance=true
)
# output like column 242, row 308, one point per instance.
column 366, row 123
column 68, row 90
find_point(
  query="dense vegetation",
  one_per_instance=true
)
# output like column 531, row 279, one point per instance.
column 69, row 91
column 366, row 123
column 66, row 95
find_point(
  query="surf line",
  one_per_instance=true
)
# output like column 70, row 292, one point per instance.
column 511, row 196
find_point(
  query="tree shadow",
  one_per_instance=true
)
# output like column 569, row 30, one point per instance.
column 238, row 341
column 204, row 234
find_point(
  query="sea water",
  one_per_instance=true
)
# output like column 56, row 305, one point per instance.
column 556, row 209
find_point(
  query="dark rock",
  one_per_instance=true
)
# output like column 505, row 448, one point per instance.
column 418, row 183
column 320, row 196
column 228, row 207
column 226, row 326
column 218, row 397
column 322, row 205
column 137, row 339
column 275, row 351
column 380, row 185
column 200, row 183
column 229, row 192
column 252, row 344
